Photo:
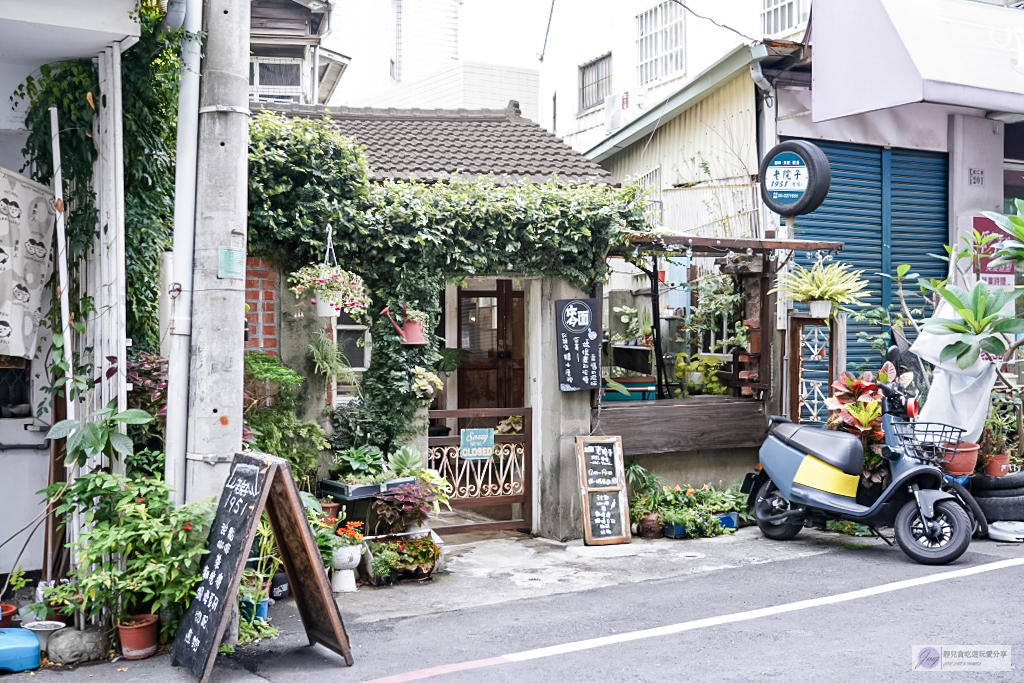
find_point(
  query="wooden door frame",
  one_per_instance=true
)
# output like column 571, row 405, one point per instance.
column 504, row 295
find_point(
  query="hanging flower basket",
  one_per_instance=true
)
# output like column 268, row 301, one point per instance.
column 333, row 288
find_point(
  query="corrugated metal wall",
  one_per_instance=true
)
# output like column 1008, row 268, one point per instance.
column 889, row 206
column 721, row 129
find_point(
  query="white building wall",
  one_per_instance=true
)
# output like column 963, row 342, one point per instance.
column 469, row 86
column 367, row 31
column 583, row 30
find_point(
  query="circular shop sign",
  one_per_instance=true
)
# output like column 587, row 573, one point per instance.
column 577, row 316
column 795, row 177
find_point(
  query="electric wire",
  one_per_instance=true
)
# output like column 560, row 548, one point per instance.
column 701, row 16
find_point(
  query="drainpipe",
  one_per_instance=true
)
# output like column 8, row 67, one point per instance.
column 759, row 52
column 174, row 15
column 180, row 290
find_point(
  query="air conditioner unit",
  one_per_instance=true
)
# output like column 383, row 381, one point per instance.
column 612, row 113
column 633, row 102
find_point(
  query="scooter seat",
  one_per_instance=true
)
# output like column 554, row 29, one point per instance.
column 838, row 449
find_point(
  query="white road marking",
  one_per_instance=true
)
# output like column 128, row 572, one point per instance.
column 758, row 613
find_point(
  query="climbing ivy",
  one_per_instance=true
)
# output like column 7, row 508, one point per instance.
column 407, row 239
column 149, row 79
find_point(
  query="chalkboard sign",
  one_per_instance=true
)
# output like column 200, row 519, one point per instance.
column 256, row 481
column 605, row 515
column 579, row 344
column 602, row 485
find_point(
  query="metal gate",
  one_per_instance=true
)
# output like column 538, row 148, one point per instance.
column 502, row 479
column 812, row 370
column 889, row 206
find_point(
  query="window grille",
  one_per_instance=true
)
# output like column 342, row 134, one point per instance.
column 15, row 382
column 275, row 79
column 660, row 33
column 780, row 16
column 595, row 82
column 651, row 183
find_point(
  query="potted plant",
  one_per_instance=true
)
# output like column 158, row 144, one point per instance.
column 402, row 467
column 358, row 472
column 394, row 560
column 122, row 558
column 411, row 330
column 406, row 506
column 334, row 288
column 994, row 456
column 348, row 550
column 823, row 287
column 17, row 581
column 329, row 508
column 646, row 501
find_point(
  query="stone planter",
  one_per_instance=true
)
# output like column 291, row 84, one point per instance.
column 343, row 561
column 43, row 629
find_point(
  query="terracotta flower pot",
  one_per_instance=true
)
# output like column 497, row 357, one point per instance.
column 6, row 612
column 139, row 636
column 965, row 458
column 329, row 510
column 998, row 465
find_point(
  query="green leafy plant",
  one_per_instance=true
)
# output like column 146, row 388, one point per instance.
column 147, row 375
column 637, row 321
column 357, row 461
column 836, row 282
column 438, row 486
column 384, row 558
column 716, row 300
column 707, row 367
column 98, row 435
column 137, row 549
column 425, row 383
column 405, row 461
column 980, row 324
column 451, row 359
column 1011, row 249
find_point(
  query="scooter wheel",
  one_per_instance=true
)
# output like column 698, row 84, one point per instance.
column 948, row 543
column 771, row 502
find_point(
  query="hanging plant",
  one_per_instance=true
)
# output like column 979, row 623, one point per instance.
column 425, row 383
column 334, row 285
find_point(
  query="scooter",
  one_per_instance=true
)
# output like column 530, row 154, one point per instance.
column 808, row 476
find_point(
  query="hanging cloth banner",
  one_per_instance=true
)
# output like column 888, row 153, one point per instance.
column 26, row 257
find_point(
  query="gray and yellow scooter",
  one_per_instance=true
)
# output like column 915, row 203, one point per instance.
column 808, row 476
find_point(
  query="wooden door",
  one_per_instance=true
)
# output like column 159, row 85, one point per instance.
column 491, row 328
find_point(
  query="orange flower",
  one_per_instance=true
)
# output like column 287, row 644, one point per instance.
column 689, row 492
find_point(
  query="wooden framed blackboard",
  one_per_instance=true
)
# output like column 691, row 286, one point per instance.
column 257, row 482
column 603, row 490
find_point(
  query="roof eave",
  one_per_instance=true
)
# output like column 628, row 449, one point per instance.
column 694, row 90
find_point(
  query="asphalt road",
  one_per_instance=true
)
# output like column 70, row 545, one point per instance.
column 865, row 638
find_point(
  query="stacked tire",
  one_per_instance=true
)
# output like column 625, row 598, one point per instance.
column 1000, row 498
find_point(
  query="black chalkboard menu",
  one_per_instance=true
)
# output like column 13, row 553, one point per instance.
column 579, row 344
column 256, row 482
column 602, row 485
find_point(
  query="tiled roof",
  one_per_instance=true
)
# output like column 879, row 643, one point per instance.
column 425, row 143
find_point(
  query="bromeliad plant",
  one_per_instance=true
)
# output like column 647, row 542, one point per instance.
column 980, row 325
column 836, row 282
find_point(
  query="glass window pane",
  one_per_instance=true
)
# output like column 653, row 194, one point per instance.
column 479, row 326
column 350, row 344
column 280, row 74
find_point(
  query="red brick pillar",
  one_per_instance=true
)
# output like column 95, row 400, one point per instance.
column 261, row 283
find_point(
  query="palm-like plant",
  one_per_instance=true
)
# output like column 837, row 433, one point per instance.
column 980, row 322
column 1011, row 250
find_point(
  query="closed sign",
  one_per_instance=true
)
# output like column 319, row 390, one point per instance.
column 476, row 444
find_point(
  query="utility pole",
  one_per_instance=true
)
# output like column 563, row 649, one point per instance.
column 218, row 298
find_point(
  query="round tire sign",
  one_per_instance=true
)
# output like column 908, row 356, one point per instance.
column 795, row 177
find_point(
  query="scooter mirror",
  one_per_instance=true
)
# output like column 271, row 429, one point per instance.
column 893, row 355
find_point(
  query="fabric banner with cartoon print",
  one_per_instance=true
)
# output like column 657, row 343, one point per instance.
column 26, row 258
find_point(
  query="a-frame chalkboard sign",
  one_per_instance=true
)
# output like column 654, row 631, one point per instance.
column 257, row 482
column 603, row 487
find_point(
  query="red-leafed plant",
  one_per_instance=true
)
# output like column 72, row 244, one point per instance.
column 147, row 374
column 404, row 505
column 856, row 407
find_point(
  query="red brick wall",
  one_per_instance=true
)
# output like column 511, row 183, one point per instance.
column 261, row 280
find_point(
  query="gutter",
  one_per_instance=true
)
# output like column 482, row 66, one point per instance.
column 740, row 58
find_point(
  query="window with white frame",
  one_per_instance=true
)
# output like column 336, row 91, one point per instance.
column 660, row 52
column 354, row 345
column 276, row 79
column 780, row 16
column 651, row 183
column 595, row 82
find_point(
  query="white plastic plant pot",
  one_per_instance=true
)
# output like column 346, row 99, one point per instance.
column 820, row 309
column 324, row 308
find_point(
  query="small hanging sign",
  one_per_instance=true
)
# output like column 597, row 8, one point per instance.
column 795, row 177
column 476, row 444
column 579, row 346
column 230, row 263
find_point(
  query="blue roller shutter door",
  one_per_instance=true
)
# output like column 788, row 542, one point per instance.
column 888, row 207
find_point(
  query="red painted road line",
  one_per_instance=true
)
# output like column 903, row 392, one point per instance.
column 420, row 674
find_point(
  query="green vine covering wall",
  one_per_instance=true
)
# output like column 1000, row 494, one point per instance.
column 407, row 240
column 149, row 77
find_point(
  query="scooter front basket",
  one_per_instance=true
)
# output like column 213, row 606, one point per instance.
column 932, row 442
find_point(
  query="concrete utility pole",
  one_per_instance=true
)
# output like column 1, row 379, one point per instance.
column 218, row 300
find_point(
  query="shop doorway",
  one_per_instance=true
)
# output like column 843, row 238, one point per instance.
column 492, row 330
